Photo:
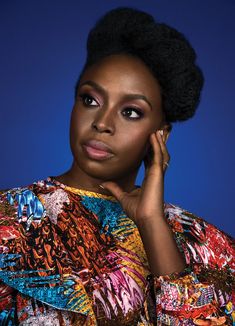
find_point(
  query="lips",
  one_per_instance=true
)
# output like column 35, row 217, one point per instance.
column 97, row 150
column 99, row 145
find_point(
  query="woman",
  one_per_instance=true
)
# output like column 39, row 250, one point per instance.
column 89, row 247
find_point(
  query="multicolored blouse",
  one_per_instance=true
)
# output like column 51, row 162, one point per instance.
column 73, row 257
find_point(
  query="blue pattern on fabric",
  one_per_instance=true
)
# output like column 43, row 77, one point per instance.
column 28, row 204
column 7, row 317
column 8, row 260
column 34, row 286
column 107, row 211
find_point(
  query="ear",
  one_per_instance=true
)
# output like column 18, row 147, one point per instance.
column 167, row 127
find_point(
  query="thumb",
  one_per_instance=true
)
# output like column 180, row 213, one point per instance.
column 114, row 189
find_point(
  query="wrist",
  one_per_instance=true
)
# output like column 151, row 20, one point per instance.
column 152, row 220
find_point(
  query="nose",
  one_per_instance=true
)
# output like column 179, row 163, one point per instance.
column 104, row 121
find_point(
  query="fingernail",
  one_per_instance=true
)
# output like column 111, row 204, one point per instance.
column 161, row 132
column 101, row 186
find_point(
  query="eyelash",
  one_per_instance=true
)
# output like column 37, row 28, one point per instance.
column 85, row 95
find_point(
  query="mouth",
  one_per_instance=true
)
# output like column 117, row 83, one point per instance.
column 97, row 150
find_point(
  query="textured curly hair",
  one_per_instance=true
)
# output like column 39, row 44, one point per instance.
column 165, row 51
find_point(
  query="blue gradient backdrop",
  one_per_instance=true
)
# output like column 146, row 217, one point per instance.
column 42, row 52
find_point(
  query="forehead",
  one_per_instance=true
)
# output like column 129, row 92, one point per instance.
column 124, row 73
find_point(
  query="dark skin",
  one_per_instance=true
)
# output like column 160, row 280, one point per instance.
column 135, row 128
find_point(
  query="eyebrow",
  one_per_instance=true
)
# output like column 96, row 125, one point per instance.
column 127, row 96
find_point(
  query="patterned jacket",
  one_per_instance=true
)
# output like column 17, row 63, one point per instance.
column 73, row 257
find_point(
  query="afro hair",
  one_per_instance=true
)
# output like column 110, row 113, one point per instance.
column 165, row 51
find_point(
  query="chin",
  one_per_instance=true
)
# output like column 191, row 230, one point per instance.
column 96, row 169
column 111, row 173
column 108, row 169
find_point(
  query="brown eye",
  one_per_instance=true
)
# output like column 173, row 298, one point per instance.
column 88, row 100
column 132, row 113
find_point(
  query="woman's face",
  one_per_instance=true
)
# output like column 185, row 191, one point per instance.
column 119, row 103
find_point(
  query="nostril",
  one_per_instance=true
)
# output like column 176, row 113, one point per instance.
column 101, row 127
column 94, row 126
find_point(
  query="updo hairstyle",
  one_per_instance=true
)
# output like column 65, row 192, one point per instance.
column 165, row 51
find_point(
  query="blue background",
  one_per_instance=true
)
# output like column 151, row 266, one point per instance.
column 43, row 48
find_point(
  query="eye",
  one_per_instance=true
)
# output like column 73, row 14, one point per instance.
column 88, row 100
column 137, row 113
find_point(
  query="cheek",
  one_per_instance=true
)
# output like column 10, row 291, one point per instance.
column 77, row 125
column 135, row 144
column 139, row 142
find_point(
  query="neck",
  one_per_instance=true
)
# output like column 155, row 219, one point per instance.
column 76, row 178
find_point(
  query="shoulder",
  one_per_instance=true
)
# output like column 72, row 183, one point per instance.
column 201, row 241
column 22, row 205
column 194, row 226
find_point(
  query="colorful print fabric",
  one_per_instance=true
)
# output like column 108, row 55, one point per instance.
column 73, row 257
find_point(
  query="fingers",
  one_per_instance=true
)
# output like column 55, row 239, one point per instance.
column 114, row 189
column 162, row 143
column 154, row 153
column 161, row 155
column 165, row 154
column 148, row 159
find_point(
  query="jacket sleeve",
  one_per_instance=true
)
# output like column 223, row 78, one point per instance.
column 204, row 293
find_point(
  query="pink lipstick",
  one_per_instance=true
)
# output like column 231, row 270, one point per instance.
column 97, row 150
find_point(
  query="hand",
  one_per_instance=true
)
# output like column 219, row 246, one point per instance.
column 145, row 206
column 146, row 202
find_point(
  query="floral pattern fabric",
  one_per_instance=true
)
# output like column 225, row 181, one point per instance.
column 73, row 257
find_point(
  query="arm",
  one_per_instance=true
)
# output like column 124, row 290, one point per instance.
column 205, row 294
column 145, row 206
column 193, row 294
column 161, row 249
